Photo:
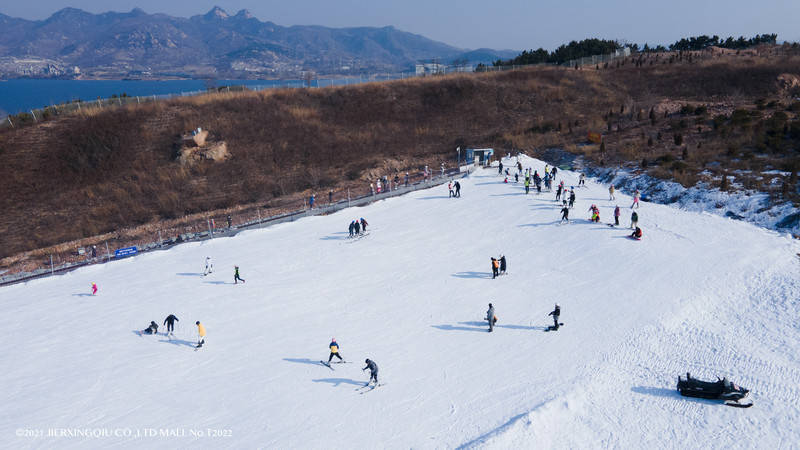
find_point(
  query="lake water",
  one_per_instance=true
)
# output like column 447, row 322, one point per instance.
column 25, row 94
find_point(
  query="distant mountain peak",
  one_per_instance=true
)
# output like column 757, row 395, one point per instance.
column 244, row 14
column 217, row 13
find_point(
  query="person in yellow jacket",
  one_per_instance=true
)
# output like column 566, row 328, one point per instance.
column 334, row 346
column 201, row 332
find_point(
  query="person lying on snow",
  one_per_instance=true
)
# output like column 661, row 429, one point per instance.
column 637, row 233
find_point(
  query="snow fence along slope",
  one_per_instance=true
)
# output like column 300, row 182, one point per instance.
column 699, row 293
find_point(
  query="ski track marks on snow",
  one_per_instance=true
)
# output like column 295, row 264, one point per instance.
column 699, row 293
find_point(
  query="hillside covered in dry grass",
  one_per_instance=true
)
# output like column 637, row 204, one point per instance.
column 676, row 116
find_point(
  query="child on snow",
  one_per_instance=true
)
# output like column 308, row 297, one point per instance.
column 495, row 268
column 152, row 329
column 637, row 233
column 491, row 317
column 334, row 350
column 209, row 266
column 555, row 313
column 236, row 276
column 94, row 289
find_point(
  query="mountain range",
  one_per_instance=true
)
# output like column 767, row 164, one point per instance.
column 73, row 42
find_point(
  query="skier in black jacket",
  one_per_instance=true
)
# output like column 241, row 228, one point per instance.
column 152, row 329
column 373, row 371
column 564, row 214
column 170, row 323
column 555, row 313
column 457, row 185
column 352, row 227
column 502, row 264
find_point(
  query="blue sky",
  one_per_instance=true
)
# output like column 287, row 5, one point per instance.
column 500, row 24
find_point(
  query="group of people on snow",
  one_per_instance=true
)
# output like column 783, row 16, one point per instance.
column 358, row 227
column 373, row 368
column 170, row 323
column 454, row 185
column 498, row 266
column 491, row 317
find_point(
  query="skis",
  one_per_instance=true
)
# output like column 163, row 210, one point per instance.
column 368, row 388
column 325, row 364
column 739, row 405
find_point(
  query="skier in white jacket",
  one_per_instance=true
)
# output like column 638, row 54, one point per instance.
column 209, row 266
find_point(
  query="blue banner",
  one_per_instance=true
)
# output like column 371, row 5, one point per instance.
column 127, row 251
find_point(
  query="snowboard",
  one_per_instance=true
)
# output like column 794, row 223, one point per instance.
column 369, row 388
column 634, row 238
column 553, row 328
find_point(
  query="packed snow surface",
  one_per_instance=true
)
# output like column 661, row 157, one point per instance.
column 700, row 293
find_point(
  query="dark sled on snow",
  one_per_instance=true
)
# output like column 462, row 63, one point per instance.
column 722, row 389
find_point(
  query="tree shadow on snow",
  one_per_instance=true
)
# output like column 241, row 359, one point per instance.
column 302, row 361
column 190, row 274
column 217, row 282
column 472, row 275
column 507, row 195
column 82, row 295
column 337, row 381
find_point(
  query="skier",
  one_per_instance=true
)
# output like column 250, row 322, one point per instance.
column 450, row 188
column 357, row 227
column 170, row 323
column 94, row 288
column 502, row 264
column 582, row 180
column 236, row 277
column 527, row 185
column 572, row 197
column 209, row 266
column 201, row 334
column 554, row 172
column 564, row 214
column 634, row 220
column 311, row 202
column 636, row 195
column 458, row 189
column 152, row 329
column 558, row 192
column 373, row 371
column 616, row 215
column 519, row 166
column 595, row 213
column 364, row 225
column 555, row 313
column 500, row 168
column 352, row 227
column 491, row 317
column 334, row 351
column 637, row 233
column 516, row 177
column 611, row 193
column 495, row 267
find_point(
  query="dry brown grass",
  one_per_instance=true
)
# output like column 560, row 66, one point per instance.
column 110, row 169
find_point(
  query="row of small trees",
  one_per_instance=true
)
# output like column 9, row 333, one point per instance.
column 594, row 46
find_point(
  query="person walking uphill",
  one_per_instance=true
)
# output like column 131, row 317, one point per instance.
column 616, row 215
column 611, row 193
column 201, row 334
column 334, row 351
column 170, row 323
column 636, row 195
column 236, row 276
column 495, row 268
column 373, row 371
column 491, row 317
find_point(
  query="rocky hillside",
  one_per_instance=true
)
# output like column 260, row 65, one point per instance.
column 215, row 44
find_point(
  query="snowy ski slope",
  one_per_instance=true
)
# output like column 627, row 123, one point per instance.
column 699, row 293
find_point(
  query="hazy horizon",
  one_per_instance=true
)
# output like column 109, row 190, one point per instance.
column 511, row 24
